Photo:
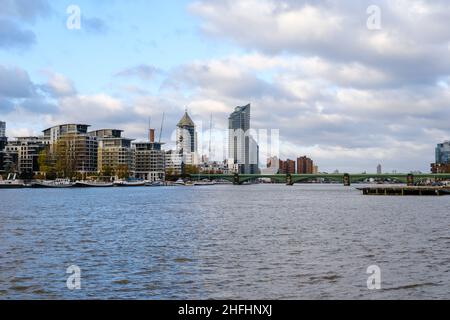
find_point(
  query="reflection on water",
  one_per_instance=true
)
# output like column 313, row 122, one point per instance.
column 222, row 242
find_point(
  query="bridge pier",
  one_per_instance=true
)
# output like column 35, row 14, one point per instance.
column 289, row 180
column 346, row 179
column 236, row 179
column 410, row 180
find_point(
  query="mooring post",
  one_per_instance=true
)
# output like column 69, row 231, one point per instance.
column 347, row 180
column 410, row 180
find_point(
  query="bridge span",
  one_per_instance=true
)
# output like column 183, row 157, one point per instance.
column 345, row 178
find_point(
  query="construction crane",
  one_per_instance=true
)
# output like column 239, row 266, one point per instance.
column 160, row 131
column 210, row 136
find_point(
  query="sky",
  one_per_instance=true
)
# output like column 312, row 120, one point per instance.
column 350, row 84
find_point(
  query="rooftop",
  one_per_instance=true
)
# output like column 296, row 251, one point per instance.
column 68, row 124
column 186, row 121
column 239, row 109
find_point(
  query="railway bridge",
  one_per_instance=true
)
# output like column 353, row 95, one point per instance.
column 345, row 178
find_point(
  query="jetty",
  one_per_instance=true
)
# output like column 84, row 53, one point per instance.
column 405, row 191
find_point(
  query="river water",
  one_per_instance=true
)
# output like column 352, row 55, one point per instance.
column 222, row 242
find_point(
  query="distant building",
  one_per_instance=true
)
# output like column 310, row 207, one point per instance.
column 9, row 161
column 173, row 162
column 149, row 159
column 379, row 170
column 21, row 155
column 273, row 166
column 106, row 133
column 305, row 165
column 215, row 167
column 73, row 144
column 186, row 144
column 286, row 167
column 282, row 165
column 290, row 166
column 270, row 170
column 2, row 129
column 273, row 162
column 115, row 153
column 3, row 143
column 443, row 153
column 440, row 167
column 2, row 163
column 442, row 158
column 243, row 150
column 54, row 133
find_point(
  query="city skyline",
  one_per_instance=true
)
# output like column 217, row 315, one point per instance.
column 186, row 130
column 380, row 96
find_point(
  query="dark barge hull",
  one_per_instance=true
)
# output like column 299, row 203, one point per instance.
column 405, row 191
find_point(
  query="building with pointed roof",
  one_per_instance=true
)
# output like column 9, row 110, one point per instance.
column 186, row 144
column 186, row 121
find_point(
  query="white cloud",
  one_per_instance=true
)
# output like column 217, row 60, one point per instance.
column 59, row 85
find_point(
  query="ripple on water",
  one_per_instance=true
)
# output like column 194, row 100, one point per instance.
column 183, row 260
column 411, row 286
column 121, row 281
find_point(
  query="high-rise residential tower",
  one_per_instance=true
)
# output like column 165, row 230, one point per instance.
column 442, row 164
column 443, row 153
column 305, row 165
column 243, row 151
column 186, row 144
column 379, row 169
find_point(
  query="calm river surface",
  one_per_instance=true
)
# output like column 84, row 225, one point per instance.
column 222, row 242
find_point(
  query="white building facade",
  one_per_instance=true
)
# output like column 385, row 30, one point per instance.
column 186, row 140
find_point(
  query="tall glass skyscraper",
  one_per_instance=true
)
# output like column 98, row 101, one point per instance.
column 242, row 147
column 443, row 153
column 2, row 129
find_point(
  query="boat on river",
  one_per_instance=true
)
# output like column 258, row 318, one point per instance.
column 125, row 183
column 180, row 182
column 157, row 183
column 53, row 184
column 93, row 184
column 204, row 183
column 12, row 183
